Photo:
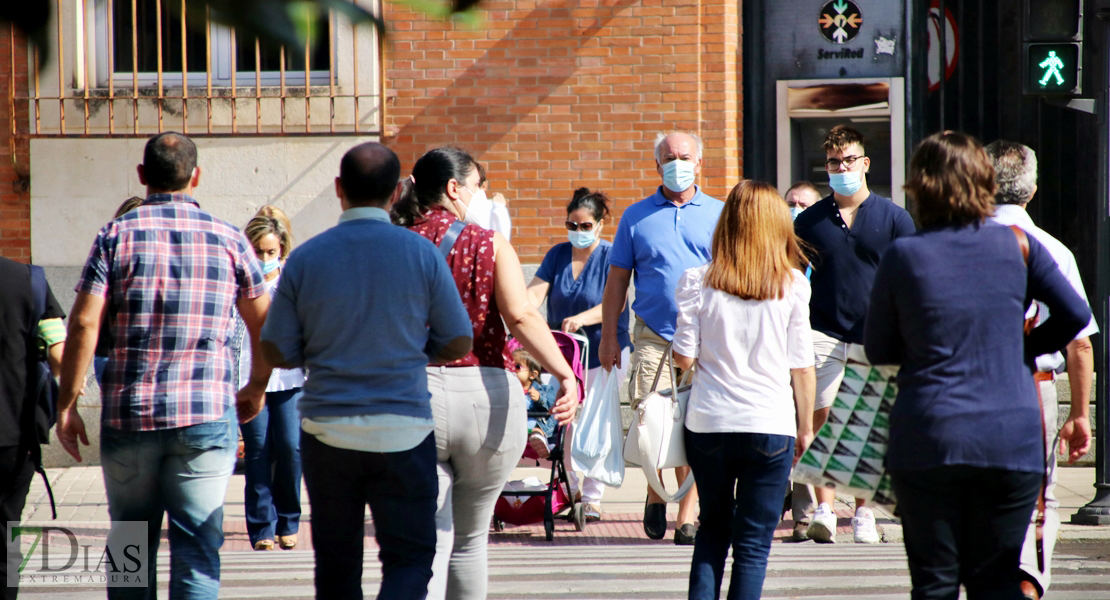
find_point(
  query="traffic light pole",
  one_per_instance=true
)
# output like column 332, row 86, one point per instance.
column 1097, row 511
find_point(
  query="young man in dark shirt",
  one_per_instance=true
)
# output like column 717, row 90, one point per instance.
column 848, row 231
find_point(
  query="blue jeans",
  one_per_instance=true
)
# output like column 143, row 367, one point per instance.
column 183, row 472
column 401, row 489
column 742, row 480
column 272, row 444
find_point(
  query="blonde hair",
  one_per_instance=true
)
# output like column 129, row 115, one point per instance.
column 271, row 219
column 754, row 246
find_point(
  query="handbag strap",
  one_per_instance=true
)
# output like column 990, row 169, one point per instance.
column 449, row 238
column 656, row 484
column 1023, row 243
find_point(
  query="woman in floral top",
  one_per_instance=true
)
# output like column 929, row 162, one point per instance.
column 476, row 400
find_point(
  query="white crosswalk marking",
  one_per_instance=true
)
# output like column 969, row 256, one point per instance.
column 876, row 572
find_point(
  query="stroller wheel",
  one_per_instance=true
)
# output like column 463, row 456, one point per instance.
column 579, row 514
column 548, row 530
column 498, row 525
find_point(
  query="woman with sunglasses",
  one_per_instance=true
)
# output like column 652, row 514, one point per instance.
column 572, row 279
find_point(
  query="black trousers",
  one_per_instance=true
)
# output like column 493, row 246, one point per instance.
column 401, row 489
column 16, row 471
column 965, row 525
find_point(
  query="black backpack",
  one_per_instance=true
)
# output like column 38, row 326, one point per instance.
column 41, row 391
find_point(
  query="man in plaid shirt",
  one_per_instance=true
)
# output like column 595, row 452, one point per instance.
column 168, row 276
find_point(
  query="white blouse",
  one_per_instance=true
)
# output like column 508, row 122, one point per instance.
column 745, row 350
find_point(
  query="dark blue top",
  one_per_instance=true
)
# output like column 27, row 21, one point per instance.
column 948, row 305
column 364, row 306
column 846, row 259
column 570, row 296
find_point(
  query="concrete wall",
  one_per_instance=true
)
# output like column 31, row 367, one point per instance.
column 79, row 183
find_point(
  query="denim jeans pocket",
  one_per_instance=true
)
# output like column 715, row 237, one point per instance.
column 771, row 445
column 119, row 456
column 208, row 447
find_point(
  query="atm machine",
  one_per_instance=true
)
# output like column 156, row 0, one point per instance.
column 808, row 108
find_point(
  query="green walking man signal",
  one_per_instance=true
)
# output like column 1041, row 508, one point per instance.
column 1052, row 66
column 1053, row 69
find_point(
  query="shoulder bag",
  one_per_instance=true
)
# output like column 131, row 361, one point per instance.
column 656, row 440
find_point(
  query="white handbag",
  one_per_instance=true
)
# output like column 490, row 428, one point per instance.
column 656, row 440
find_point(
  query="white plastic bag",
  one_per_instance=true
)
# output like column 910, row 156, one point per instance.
column 597, row 444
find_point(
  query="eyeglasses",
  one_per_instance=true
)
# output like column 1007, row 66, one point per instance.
column 833, row 164
column 519, row 367
column 583, row 226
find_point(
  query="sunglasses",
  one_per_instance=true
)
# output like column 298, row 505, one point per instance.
column 585, row 226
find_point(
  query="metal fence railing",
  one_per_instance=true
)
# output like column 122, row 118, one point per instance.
column 131, row 68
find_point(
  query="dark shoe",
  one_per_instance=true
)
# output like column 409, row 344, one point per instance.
column 684, row 536
column 801, row 531
column 655, row 520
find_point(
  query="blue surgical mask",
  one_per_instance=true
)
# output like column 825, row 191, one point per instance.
column 846, row 183
column 678, row 175
column 582, row 239
column 795, row 211
column 269, row 266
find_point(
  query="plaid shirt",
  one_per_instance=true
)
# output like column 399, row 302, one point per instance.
column 171, row 274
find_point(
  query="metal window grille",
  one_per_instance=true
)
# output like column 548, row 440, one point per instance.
column 132, row 68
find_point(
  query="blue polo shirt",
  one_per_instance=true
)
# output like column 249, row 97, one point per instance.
column 846, row 259
column 658, row 241
column 362, row 306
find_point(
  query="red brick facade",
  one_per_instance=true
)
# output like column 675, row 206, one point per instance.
column 551, row 95
column 15, row 195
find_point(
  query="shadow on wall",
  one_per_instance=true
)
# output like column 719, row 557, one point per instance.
column 481, row 105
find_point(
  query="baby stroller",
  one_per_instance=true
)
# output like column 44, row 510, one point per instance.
column 524, row 504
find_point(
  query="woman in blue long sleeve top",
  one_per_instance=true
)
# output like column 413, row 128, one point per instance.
column 948, row 305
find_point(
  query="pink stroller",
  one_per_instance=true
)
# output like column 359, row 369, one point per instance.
column 524, row 507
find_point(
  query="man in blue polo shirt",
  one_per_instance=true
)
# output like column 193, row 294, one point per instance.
column 849, row 231
column 658, row 238
column 364, row 306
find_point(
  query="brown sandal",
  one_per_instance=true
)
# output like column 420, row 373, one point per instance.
column 263, row 545
column 287, row 542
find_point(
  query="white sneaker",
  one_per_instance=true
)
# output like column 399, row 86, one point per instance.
column 822, row 526
column 863, row 527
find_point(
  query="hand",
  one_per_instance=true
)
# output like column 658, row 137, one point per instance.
column 534, row 394
column 572, row 324
column 801, row 442
column 1076, row 435
column 69, row 430
column 250, row 400
column 609, row 353
column 567, row 405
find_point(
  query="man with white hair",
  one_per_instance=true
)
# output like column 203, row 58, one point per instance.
column 1015, row 168
column 657, row 239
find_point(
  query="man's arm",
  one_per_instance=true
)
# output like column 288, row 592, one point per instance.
column 84, row 329
column 249, row 400
column 612, row 303
column 1076, row 432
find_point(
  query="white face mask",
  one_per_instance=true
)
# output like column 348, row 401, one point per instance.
column 480, row 209
column 678, row 175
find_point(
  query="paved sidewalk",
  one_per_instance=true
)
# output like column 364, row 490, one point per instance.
column 79, row 496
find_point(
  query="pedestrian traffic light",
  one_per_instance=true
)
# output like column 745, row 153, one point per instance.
column 1053, row 48
column 1052, row 69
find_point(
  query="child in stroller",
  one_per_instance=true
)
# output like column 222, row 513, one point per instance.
column 539, row 398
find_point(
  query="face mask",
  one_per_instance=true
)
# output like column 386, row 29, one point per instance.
column 480, row 210
column 678, row 175
column 269, row 266
column 795, row 211
column 846, row 183
column 581, row 239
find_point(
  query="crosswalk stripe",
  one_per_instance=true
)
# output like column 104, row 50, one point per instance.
column 609, row 572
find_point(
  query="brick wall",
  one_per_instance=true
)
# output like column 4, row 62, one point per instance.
column 15, row 197
column 553, row 95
